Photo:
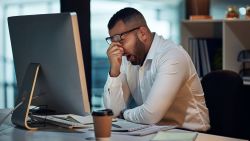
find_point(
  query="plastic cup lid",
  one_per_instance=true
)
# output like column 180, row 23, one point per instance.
column 104, row 112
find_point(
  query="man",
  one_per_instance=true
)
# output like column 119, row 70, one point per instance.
column 158, row 74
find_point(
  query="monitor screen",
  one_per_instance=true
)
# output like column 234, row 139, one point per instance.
column 51, row 40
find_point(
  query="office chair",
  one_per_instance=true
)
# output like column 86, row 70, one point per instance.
column 224, row 96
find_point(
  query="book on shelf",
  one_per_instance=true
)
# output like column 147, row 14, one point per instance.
column 197, row 57
column 200, row 17
column 246, row 78
column 203, row 57
column 244, row 56
column 206, row 54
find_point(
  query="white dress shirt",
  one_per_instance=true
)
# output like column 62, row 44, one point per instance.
column 166, row 89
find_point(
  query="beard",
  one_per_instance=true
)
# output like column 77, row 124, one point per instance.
column 139, row 52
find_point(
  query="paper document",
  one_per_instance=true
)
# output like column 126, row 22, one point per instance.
column 62, row 122
column 81, row 119
column 135, row 129
column 175, row 136
column 146, row 131
column 68, row 120
column 126, row 126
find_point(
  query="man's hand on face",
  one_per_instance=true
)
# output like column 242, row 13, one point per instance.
column 115, row 52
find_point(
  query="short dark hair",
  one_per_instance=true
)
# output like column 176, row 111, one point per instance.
column 125, row 14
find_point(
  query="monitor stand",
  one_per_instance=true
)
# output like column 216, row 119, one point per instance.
column 20, row 114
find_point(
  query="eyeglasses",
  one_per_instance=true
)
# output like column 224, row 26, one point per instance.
column 118, row 37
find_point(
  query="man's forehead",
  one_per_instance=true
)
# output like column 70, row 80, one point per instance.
column 118, row 28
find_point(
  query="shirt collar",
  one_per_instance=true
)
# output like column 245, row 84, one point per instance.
column 153, row 47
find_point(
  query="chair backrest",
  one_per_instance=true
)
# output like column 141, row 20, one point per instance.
column 223, row 94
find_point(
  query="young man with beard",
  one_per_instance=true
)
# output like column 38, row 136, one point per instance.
column 155, row 72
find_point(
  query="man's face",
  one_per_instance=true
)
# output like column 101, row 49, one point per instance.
column 134, row 49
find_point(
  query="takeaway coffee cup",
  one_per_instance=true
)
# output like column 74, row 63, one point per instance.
column 102, row 123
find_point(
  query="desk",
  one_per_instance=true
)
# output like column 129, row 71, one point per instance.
column 8, row 132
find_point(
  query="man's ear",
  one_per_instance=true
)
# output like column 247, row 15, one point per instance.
column 142, row 33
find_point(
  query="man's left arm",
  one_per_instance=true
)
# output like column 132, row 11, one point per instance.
column 170, row 77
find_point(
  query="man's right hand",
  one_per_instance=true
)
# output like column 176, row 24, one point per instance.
column 115, row 52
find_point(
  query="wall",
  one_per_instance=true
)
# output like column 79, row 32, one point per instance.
column 219, row 7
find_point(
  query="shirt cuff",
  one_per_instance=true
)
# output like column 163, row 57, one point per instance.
column 125, row 114
column 115, row 81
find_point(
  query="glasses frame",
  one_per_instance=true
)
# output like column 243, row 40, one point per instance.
column 118, row 37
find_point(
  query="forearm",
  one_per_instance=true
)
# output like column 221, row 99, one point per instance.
column 152, row 111
column 142, row 115
column 115, row 94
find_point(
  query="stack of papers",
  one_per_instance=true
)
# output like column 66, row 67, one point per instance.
column 67, row 121
column 80, row 119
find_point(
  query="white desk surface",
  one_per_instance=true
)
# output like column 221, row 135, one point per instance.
column 8, row 132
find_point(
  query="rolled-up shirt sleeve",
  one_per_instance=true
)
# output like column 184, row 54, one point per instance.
column 169, row 79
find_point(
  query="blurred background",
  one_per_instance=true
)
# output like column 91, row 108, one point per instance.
column 163, row 17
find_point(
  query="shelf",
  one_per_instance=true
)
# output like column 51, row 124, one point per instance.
column 234, row 34
column 235, row 39
column 200, row 29
column 215, row 21
column 201, row 21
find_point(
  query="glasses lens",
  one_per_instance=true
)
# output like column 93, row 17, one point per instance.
column 116, row 38
column 108, row 39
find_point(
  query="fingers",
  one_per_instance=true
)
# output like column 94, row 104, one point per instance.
column 115, row 52
column 115, row 49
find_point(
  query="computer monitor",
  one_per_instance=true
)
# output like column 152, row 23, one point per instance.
column 50, row 42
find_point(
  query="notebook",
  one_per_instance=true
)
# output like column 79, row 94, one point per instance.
column 175, row 136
